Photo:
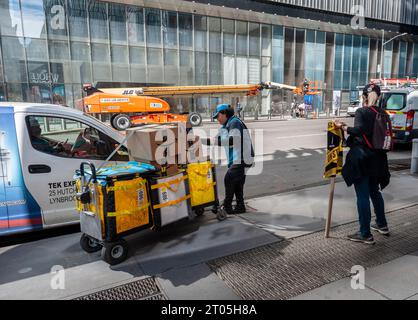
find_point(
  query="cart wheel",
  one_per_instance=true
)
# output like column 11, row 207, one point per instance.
column 221, row 215
column 199, row 212
column 215, row 209
column 115, row 252
column 89, row 244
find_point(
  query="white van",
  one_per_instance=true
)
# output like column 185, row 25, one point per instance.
column 402, row 106
column 41, row 146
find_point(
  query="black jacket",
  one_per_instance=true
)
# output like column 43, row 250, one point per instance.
column 361, row 161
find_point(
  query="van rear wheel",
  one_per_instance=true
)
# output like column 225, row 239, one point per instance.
column 121, row 122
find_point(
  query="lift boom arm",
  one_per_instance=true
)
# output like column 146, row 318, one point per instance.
column 247, row 89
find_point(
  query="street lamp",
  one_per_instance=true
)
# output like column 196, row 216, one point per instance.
column 383, row 50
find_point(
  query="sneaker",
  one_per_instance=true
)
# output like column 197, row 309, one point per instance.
column 359, row 238
column 384, row 231
column 240, row 210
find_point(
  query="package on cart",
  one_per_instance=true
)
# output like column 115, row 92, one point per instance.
column 166, row 170
column 170, row 199
column 119, row 200
column 202, row 184
column 152, row 143
column 195, row 152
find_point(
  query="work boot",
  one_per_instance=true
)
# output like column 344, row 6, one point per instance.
column 240, row 209
column 228, row 209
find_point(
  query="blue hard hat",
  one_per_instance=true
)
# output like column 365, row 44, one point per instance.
column 221, row 107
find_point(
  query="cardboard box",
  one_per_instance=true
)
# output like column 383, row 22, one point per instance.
column 195, row 151
column 153, row 142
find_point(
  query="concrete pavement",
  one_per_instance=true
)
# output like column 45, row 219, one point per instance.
column 395, row 280
column 300, row 212
column 177, row 258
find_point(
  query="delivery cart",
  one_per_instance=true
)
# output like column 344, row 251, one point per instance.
column 124, row 199
column 113, row 203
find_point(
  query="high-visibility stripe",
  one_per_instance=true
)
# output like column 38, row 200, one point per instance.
column 168, row 183
column 171, row 203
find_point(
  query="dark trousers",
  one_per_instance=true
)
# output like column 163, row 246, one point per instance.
column 366, row 189
column 234, row 185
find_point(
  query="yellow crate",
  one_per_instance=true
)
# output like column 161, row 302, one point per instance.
column 202, row 183
column 128, row 209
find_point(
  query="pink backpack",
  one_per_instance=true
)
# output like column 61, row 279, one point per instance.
column 382, row 138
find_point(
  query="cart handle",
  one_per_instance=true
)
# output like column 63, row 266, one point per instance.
column 93, row 171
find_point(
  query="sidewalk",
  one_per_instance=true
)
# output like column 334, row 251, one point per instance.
column 311, row 267
column 276, row 251
column 395, row 280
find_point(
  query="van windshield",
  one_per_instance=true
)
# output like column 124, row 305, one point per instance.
column 393, row 101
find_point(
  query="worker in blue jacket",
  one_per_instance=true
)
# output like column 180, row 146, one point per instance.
column 236, row 139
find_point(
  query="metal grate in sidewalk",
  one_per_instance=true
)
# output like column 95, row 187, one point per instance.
column 145, row 289
column 292, row 267
column 400, row 166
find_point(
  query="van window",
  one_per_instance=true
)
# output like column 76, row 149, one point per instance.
column 393, row 101
column 67, row 138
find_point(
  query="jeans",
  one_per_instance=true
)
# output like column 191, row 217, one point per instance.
column 366, row 189
column 234, row 185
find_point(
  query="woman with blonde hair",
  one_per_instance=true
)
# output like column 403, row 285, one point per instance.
column 367, row 168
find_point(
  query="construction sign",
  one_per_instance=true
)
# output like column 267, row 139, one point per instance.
column 335, row 155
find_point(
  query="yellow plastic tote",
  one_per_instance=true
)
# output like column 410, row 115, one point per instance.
column 202, row 183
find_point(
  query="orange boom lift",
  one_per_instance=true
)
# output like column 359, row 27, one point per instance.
column 136, row 106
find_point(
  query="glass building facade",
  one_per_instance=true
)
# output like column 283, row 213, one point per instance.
column 50, row 48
